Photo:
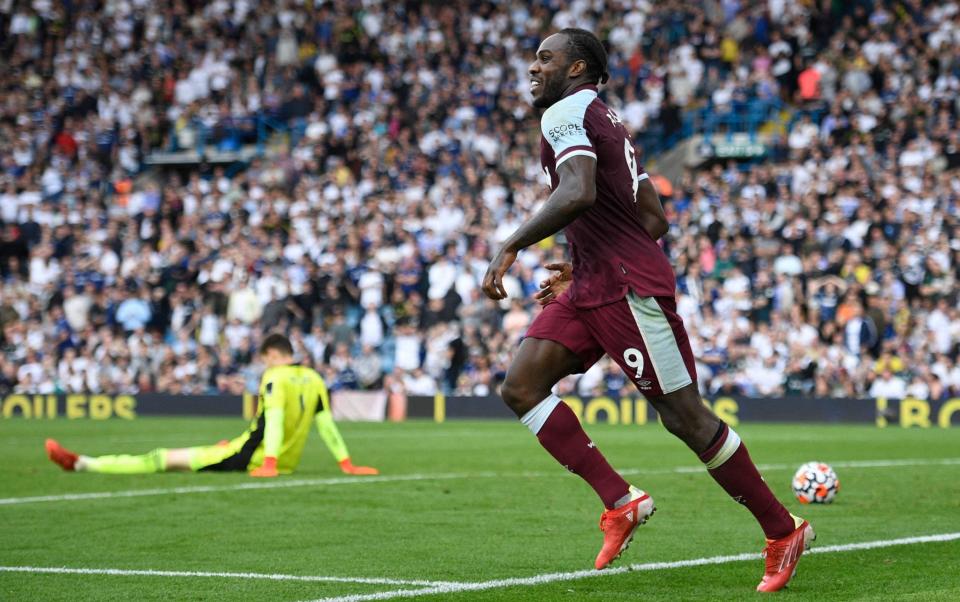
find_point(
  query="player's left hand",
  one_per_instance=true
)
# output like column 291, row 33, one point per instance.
column 556, row 284
column 267, row 469
column 493, row 279
column 348, row 468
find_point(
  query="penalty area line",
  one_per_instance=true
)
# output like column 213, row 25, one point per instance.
column 456, row 588
column 222, row 575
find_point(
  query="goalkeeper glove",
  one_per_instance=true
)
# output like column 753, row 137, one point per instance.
column 348, row 468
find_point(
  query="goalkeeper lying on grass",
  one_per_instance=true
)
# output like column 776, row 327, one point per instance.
column 291, row 397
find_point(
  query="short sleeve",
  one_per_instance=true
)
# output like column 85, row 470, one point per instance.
column 563, row 128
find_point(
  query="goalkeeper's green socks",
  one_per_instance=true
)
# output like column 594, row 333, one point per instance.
column 154, row 461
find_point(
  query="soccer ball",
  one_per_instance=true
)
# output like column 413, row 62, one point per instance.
column 815, row 483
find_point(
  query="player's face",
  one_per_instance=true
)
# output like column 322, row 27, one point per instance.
column 549, row 72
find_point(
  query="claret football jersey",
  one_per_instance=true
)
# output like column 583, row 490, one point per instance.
column 611, row 252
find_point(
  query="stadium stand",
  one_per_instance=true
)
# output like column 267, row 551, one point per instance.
column 177, row 178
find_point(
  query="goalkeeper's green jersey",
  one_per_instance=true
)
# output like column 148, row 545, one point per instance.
column 298, row 396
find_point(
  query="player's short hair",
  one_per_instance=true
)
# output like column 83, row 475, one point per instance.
column 586, row 46
column 277, row 341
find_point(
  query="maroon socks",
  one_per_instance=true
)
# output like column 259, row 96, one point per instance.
column 730, row 465
column 560, row 433
column 727, row 461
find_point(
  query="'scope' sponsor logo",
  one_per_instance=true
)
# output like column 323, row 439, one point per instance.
column 564, row 129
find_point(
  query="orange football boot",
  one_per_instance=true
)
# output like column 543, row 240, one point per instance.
column 781, row 556
column 58, row 454
column 619, row 524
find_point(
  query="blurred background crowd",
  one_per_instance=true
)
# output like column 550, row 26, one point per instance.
column 401, row 149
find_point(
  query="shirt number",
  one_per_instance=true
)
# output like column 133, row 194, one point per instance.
column 633, row 358
column 631, row 156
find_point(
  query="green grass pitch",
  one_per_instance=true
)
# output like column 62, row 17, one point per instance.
column 479, row 501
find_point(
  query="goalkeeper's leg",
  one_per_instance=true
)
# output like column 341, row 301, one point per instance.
column 154, row 461
column 158, row 460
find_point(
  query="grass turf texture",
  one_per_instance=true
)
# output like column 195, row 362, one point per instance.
column 500, row 524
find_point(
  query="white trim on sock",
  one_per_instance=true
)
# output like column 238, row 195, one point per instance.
column 730, row 445
column 632, row 494
column 537, row 417
column 81, row 464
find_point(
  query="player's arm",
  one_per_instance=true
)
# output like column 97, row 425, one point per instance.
column 273, row 414
column 332, row 438
column 652, row 217
column 575, row 193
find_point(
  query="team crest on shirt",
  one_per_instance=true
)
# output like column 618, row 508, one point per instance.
column 644, row 384
column 557, row 132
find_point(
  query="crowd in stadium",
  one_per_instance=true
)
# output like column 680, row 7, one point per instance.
column 410, row 151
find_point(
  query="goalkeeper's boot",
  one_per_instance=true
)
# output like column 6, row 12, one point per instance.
column 619, row 524
column 781, row 556
column 58, row 454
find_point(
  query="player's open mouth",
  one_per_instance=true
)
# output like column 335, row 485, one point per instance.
column 534, row 84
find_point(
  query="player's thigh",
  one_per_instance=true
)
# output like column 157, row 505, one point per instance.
column 556, row 345
column 537, row 367
column 646, row 338
column 204, row 458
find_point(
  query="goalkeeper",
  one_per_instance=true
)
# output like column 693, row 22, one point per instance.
column 291, row 398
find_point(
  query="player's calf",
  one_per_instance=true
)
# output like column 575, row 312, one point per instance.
column 730, row 465
column 725, row 456
column 560, row 433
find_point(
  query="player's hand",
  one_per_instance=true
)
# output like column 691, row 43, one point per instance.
column 267, row 469
column 493, row 279
column 348, row 468
column 556, row 284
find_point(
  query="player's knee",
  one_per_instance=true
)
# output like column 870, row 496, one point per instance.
column 519, row 396
column 684, row 415
column 693, row 427
column 676, row 424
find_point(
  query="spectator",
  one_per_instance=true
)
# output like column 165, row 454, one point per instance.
column 368, row 368
column 398, row 161
column 419, row 383
column 888, row 386
column 135, row 312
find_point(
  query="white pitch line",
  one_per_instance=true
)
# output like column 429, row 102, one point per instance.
column 889, row 463
column 252, row 485
column 265, row 576
column 837, row 464
column 648, row 566
column 282, row 483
